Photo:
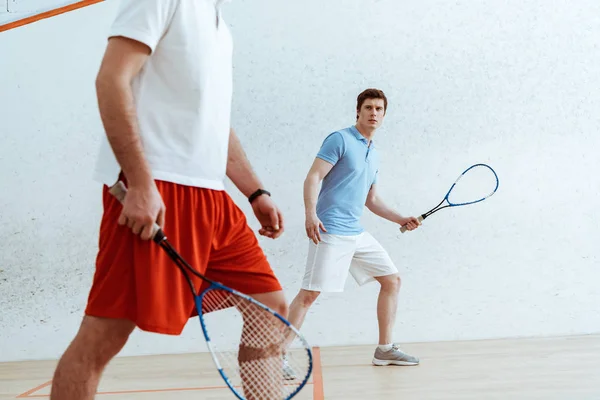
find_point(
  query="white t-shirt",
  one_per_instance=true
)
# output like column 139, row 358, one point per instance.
column 182, row 94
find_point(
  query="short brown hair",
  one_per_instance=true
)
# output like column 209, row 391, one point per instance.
column 371, row 93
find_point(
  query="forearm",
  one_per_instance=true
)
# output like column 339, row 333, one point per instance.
column 119, row 118
column 239, row 169
column 311, row 184
column 379, row 208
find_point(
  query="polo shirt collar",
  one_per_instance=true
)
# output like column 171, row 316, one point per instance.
column 358, row 136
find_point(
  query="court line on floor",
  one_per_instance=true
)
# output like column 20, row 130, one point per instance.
column 29, row 394
column 47, row 14
column 35, row 389
column 317, row 375
column 317, row 383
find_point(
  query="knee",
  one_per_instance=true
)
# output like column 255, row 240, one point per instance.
column 391, row 283
column 307, row 297
column 101, row 339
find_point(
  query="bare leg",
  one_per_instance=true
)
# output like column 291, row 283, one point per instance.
column 300, row 306
column 260, row 352
column 79, row 370
column 387, row 304
column 273, row 300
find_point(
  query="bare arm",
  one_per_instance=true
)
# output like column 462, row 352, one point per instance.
column 243, row 177
column 378, row 207
column 317, row 172
column 122, row 61
column 319, row 169
column 239, row 169
column 143, row 205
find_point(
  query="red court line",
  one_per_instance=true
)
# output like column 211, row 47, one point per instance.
column 29, row 394
column 35, row 389
column 139, row 391
column 317, row 375
column 48, row 14
column 317, row 383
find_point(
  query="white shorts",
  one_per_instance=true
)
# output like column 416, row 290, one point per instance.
column 330, row 261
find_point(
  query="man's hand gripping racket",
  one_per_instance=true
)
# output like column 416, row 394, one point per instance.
column 480, row 183
column 247, row 340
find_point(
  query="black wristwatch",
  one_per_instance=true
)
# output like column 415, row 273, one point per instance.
column 258, row 193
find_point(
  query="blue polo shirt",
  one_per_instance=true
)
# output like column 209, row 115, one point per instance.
column 344, row 189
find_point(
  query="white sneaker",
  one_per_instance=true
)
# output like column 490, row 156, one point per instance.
column 288, row 372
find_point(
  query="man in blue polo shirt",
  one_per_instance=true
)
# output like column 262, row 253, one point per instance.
column 348, row 165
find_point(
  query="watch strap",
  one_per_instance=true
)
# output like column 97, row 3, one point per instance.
column 259, row 192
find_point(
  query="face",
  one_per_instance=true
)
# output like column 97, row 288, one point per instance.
column 371, row 114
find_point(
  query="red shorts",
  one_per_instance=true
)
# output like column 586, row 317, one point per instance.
column 136, row 280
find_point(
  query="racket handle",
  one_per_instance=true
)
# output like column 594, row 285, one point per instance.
column 404, row 229
column 118, row 190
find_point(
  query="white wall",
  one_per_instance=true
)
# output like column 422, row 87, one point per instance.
column 13, row 10
column 510, row 83
column 17, row 6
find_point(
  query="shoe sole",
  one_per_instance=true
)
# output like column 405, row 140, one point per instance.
column 383, row 363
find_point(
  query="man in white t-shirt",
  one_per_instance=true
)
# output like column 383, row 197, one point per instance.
column 164, row 92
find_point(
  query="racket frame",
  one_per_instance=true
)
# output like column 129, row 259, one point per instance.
column 435, row 209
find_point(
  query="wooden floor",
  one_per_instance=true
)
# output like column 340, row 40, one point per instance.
column 565, row 368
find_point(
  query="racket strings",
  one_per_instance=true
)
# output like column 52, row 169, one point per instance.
column 258, row 352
